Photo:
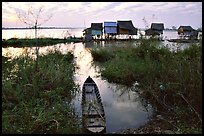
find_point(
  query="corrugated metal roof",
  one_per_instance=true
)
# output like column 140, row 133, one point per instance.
column 97, row 26
column 157, row 26
column 110, row 24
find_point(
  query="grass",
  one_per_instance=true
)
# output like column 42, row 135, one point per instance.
column 24, row 42
column 171, row 82
column 38, row 101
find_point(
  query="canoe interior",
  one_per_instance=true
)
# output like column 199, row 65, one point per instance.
column 93, row 114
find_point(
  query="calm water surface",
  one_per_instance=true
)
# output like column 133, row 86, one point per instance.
column 30, row 33
column 123, row 106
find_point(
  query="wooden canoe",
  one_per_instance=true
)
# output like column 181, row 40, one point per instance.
column 93, row 115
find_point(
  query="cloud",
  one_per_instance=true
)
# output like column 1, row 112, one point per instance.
column 74, row 12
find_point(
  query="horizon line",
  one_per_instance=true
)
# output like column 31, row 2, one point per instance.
column 54, row 27
column 46, row 27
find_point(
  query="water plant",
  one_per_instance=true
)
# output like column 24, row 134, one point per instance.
column 39, row 101
column 28, row 42
column 171, row 81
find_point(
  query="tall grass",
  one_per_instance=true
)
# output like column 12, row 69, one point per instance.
column 171, row 81
column 39, row 101
column 27, row 42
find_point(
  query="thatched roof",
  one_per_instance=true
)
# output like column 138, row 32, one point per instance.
column 157, row 26
column 97, row 26
column 186, row 28
column 87, row 29
column 127, row 25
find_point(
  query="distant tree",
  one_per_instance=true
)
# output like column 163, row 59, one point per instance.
column 199, row 29
column 173, row 27
column 145, row 23
column 32, row 19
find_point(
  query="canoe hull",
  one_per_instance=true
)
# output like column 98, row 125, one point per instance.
column 93, row 115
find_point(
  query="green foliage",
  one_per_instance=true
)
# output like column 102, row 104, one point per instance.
column 38, row 101
column 40, row 42
column 152, row 66
column 102, row 55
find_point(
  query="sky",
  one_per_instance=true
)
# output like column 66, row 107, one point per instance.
column 82, row 14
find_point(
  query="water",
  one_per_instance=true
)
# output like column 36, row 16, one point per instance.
column 30, row 33
column 62, row 33
column 123, row 106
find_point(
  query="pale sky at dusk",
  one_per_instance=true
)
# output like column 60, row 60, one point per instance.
column 80, row 14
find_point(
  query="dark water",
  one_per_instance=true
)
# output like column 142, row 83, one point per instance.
column 123, row 106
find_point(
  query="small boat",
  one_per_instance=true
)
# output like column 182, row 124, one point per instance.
column 93, row 115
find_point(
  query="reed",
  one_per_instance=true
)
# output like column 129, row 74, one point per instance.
column 39, row 101
column 27, row 42
column 171, row 82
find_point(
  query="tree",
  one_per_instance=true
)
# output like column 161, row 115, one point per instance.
column 32, row 19
column 173, row 28
column 145, row 23
column 199, row 29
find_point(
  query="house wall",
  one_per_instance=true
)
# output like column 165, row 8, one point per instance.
column 123, row 31
column 96, row 32
column 110, row 30
column 187, row 33
column 133, row 32
column 182, row 32
column 159, row 31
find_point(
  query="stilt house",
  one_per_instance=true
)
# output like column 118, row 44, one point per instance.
column 126, row 28
column 187, row 32
column 87, row 34
column 110, row 28
column 97, row 29
column 156, row 29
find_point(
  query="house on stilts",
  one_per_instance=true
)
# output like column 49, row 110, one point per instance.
column 87, row 34
column 93, row 32
column 97, row 30
column 156, row 30
column 126, row 28
column 187, row 32
column 110, row 30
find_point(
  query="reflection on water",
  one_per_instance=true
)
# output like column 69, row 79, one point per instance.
column 30, row 33
column 123, row 106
